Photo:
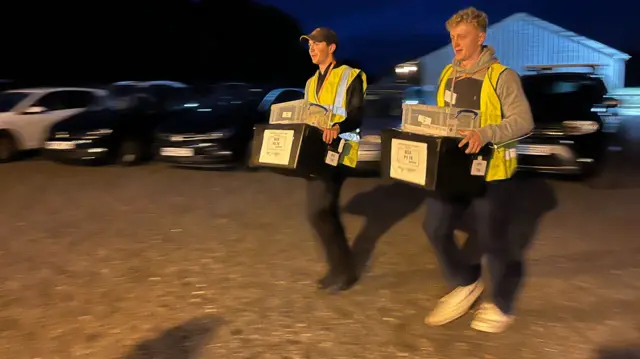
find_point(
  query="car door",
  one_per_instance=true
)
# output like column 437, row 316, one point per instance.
column 53, row 107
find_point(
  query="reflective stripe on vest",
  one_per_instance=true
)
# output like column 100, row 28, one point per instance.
column 342, row 93
column 337, row 108
column 504, row 160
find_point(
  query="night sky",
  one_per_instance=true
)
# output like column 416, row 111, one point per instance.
column 416, row 27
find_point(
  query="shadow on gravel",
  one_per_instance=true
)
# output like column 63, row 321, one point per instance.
column 387, row 205
column 621, row 161
column 382, row 207
column 619, row 353
column 184, row 341
column 533, row 198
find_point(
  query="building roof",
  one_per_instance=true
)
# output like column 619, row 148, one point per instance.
column 598, row 46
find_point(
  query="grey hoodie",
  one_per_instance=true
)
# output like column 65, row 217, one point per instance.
column 517, row 119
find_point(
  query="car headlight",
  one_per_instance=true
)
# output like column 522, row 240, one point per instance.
column 101, row 132
column 581, row 127
column 226, row 133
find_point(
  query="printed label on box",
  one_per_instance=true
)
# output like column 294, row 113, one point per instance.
column 276, row 147
column 424, row 120
column 409, row 161
column 286, row 114
column 431, row 130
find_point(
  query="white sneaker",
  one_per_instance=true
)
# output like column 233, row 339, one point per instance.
column 455, row 304
column 489, row 318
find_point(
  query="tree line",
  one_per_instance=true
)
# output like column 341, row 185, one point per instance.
column 183, row 40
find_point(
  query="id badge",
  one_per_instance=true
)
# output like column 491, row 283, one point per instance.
column 479, row 167
column 332, row 158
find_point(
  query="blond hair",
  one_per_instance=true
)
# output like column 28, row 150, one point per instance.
column 470, row 15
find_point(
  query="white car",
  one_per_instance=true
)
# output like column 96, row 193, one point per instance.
column 27, row 115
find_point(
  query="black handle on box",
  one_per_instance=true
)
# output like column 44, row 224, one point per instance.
column 322, row 107
column 474, row 113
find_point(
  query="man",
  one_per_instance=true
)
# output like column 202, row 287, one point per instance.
column 476, row 80
column 341, row 89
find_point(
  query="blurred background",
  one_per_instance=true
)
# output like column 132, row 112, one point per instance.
column 161, row 262
column 403, row 46
column 210, row 41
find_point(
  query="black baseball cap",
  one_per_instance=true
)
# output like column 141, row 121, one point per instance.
column 322, row 34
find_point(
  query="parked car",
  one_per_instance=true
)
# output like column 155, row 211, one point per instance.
column 568, row 110
column 26, row 115
column 119, row 130
column 217, row 132
column 382, row 110
column 6, row 85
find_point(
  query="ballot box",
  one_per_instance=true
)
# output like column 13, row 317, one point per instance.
column 292, row 144
column 425, row 151
column 434, row 163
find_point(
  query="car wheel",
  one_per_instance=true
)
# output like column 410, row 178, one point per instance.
column 130, row 153
column 8, row 148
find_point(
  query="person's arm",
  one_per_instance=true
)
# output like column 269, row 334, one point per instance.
column 354, row 104
column 517, row 118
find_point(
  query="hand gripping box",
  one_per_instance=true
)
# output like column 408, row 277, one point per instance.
column 435, row 163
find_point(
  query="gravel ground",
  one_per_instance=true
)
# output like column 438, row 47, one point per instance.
column 158, row 262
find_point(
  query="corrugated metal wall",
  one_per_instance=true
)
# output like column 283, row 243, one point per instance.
column 520, row 42
column 431, row 65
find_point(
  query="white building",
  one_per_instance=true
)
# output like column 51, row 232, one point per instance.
column 522, row 39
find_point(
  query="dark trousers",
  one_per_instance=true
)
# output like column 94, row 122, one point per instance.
column 323, row 194
column 491, row 228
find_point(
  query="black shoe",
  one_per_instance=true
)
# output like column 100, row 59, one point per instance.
column 327, row 281
column 334, row 282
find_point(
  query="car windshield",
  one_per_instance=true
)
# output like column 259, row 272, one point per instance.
column 123, row 90
column 382, row 105
column 229, row 94
column 562, row 93
column 9, row 100
column 120, row 97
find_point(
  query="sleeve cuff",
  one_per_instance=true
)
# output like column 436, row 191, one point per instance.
column 485, row 134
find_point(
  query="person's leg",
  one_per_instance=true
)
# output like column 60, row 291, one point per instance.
column 323, row 195
column 504, row 266
column 443, row 215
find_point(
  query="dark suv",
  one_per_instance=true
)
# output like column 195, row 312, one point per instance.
column 568, row 110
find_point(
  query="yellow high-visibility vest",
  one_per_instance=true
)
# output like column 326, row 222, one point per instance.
column 333, row 95
column 504, row 162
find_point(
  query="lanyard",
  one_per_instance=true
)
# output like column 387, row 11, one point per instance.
column 326, row 77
